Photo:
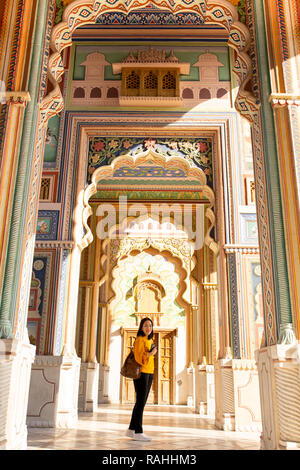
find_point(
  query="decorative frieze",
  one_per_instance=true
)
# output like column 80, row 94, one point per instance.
column 279, row 100
column 243, row 249
column 62, row 244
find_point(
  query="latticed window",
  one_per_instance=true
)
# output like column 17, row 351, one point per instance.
column 133, row 81
column 45, row 188
column 169, row 81
column 150, row 81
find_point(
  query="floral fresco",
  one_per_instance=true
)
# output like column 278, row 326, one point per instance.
column 103, row 150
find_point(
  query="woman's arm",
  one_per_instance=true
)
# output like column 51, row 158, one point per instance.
column 140, row 354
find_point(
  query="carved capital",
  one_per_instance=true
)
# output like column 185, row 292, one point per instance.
column 210, row 286
column 19, row 98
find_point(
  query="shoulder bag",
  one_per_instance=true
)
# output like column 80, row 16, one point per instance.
column 131, row 369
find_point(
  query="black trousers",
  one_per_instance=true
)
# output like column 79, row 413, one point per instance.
column 142, row 388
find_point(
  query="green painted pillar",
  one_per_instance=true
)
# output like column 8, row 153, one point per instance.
column 17, row 229
column 285, row 331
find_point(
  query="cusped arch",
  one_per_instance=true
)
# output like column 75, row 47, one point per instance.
column 180, row 270
column 81, row 12
column 83, row 209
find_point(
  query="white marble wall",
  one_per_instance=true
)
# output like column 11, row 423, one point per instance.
column 15, row 366
column 53, row 397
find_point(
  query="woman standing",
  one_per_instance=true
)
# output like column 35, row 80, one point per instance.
column 144, row 351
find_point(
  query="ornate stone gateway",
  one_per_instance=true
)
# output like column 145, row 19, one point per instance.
column 190, row 127
column 148, row 254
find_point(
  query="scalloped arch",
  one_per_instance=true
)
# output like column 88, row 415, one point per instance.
column 180, row 270
column 83, row 209
column 81, row 12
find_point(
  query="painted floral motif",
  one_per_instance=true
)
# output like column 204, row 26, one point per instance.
column 150, row 143
column 103, row 150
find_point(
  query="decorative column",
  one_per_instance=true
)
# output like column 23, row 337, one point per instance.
column 237, row 389
column 103, row 329
column 22, row 149
column 102, row 356
column 89, row 370
column 191, row 346
column 278, row 360
column 16, row 104
column 205, row 379
column 53, row 395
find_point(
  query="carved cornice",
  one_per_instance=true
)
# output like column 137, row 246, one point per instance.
column 152, row 58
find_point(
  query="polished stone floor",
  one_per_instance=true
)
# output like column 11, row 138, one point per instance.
column 171, row 428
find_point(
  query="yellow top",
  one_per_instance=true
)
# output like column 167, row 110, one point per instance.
column 142, row 345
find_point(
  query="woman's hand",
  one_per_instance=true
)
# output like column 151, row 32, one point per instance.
column 153, row 352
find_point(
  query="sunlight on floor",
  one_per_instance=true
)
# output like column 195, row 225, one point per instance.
column 170, row 427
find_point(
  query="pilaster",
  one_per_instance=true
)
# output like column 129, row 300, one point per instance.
column 88, row 387
column 87, row 314
column 191, row 389
column 103, row 384
column 205, row 390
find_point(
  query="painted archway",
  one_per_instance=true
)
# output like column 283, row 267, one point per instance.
column 221, row 12
column 82, row 12
column 194, row 175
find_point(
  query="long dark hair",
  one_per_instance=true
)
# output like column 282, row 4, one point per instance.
column 140, row 332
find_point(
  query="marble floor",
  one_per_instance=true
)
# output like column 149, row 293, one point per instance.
column 171, row 428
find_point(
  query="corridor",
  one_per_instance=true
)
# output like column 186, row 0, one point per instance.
column 171, row 428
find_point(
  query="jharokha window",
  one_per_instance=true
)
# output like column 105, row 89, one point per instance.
column 139, row 82
column 132, row 83
column 151, row 77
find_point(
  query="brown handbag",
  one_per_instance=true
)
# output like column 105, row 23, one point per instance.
column 131, row 369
